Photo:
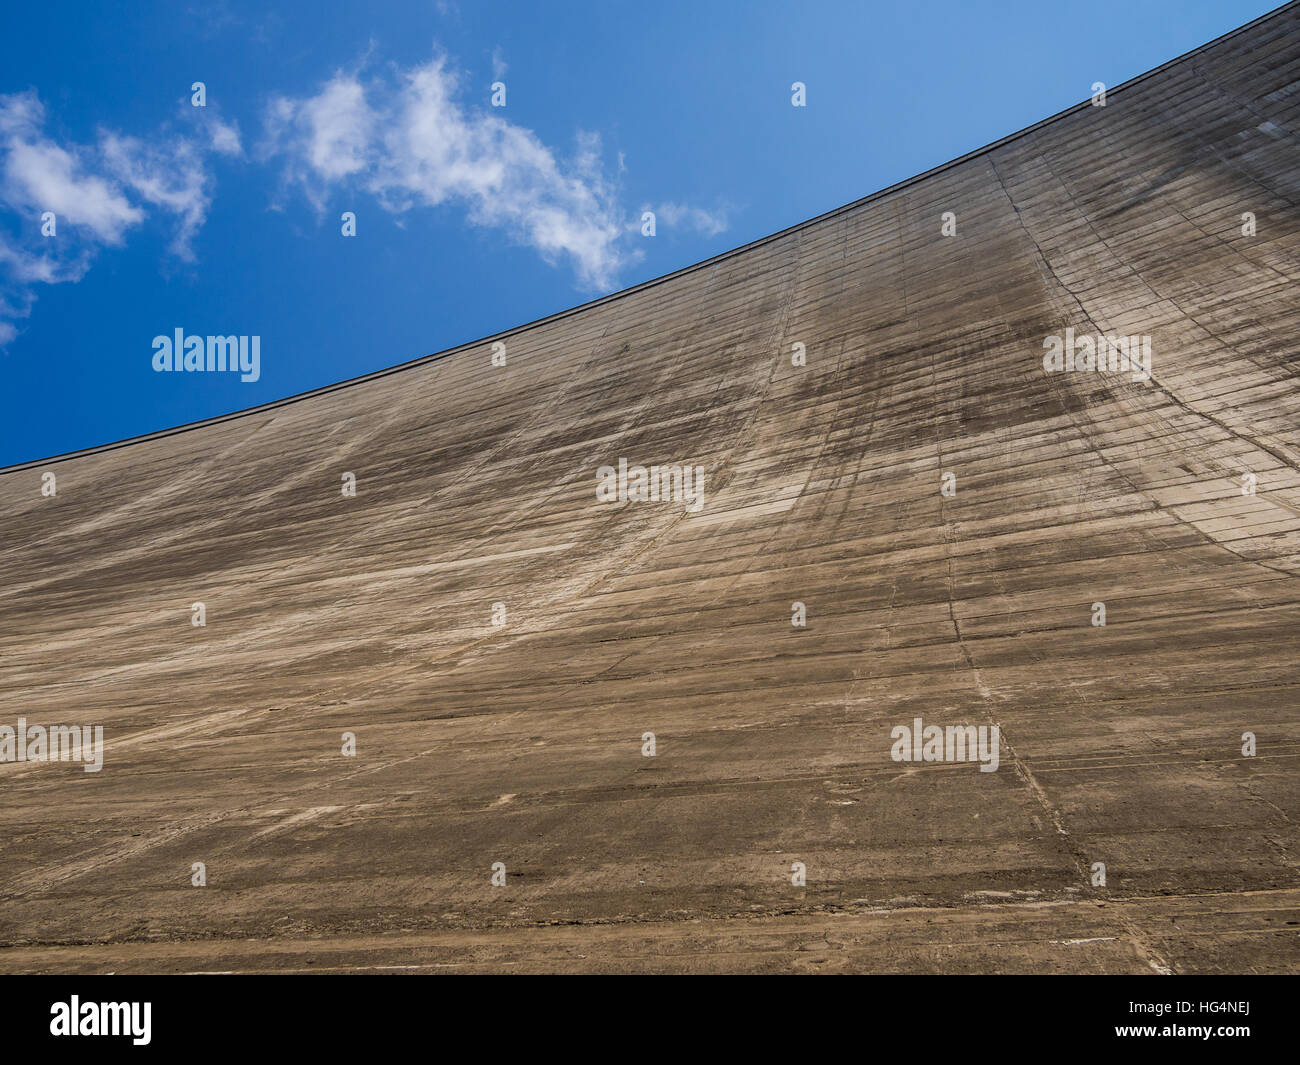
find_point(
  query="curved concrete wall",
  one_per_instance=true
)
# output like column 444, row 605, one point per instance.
column 476, row 485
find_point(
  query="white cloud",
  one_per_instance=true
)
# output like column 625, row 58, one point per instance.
column 695, row 219
column 171, row 176
column 223, row 137
column 327, row 135
column 408, row 139
column 38, row 175
column 411, row 143
column 98, row 194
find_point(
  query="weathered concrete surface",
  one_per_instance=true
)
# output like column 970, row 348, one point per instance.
column 522, row 744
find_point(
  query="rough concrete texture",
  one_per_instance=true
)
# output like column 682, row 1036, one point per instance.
column 522, row 744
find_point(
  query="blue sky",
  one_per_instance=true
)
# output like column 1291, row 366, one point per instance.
column 471, row 218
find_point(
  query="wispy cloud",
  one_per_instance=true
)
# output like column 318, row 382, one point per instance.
column 407, row 137
column 410, row 141
column 688, row 219
column 40, row 175
column 326, row 137
column 97, row 193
